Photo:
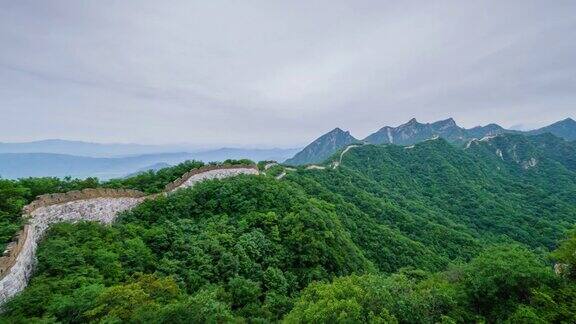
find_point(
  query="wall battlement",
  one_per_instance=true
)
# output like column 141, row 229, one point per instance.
column 100, row 204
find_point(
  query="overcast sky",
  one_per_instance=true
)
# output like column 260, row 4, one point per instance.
column 278, row 73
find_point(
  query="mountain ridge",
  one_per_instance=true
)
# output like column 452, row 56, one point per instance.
column 323, row 147
column 413, row 132
column 20, row 165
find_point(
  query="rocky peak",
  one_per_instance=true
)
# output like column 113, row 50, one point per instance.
column 445, row 124
column 323, row 147
column 411, row 122
column 338, row 131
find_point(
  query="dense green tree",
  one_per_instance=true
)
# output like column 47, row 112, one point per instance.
column 502, row 277
column 429, row 234
column 565, row 255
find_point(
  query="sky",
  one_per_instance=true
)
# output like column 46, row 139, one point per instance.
column 278, row 73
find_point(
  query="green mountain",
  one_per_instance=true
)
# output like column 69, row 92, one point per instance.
column 429, row 233
column 323, row 147
column 446, row 198
column 414, row 132
column 565, row 129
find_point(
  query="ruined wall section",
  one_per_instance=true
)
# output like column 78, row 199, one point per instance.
column 102, row 205
column 17, row 263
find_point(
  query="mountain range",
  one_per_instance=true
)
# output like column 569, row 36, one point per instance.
column 414, row 132
column 88, row 149
column 41, row 164
column 440, row 233
column 62, row 158
column 323, row 147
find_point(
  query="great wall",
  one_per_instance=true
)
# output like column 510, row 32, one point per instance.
column 102, row 205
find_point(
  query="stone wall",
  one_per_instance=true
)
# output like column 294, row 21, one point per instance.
column 17, row 265
column 17, row 262
column 60, row 198
column 210, row 172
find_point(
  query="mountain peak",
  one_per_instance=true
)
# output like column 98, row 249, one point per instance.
column 412, row 121
column 338, row 130
column 565, row 128
column 450, row 122
column 323, row 147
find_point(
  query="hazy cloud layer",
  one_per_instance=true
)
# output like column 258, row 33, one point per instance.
column 278, row 72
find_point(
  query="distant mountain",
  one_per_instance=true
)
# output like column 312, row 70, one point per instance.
column 488, row 130
column 323, row 147
column 414, row 132
column 565, row 128
column 528, row 151
column 18, row 165
column 78, row 148
column 58, row 146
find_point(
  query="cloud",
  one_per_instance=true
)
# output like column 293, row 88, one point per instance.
column 278, row 73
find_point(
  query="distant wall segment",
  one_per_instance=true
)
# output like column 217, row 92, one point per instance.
column 209, row 172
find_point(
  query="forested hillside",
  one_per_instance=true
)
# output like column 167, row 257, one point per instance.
column 414, row 132
column 421, row 234
column 15, row 194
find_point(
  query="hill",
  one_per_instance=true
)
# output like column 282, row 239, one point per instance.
column 439, row 194
column 414, row 132
column 415, row 234
column 323, row 147
column 565, row 129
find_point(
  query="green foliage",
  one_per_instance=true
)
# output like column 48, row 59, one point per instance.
column 502, row 284
column 154, row 181
column 566, row 256
column 502, row 277
column 436, row 202
column 429, row 234
column 15, row 194
column 254, row 240
column 379, row 299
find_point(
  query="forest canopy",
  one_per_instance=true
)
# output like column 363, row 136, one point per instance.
column 434, row 233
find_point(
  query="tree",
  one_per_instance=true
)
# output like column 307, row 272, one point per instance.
column 501, row 278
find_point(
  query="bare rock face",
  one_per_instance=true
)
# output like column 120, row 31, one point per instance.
column 100, row 205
